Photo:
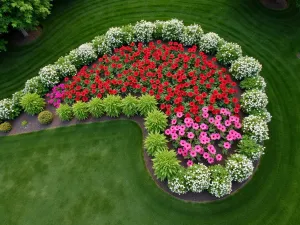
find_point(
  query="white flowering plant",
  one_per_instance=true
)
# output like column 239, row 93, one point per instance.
column 158, row 29
column 49, row 76
column 197, row 178
column 191, row 35
column 128, row 34
column 172, row 30
column 248, row 147
column 262, row 113
column 177, row 184
column 64, row 67
column 256, row 127
column 9, row 109
column 83, row 55
column 253, row 100
column 35, row 85
column 114, row 37
column 101, row 46
column 256, row 82
column 245, row 67
column 239, row 167
column 209, row 43
column 143, row 31
column 221, row 181
column 228, row 52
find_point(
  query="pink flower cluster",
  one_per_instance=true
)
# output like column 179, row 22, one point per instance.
column 55, row 97
column 198, row 141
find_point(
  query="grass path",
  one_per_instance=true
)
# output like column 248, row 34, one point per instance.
column 271, row 198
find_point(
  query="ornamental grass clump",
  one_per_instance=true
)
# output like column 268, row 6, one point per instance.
column 209, row 43
column 197, row 178
column 96, row 107
column 80, row 110
column 191, row 35
column 165, row 164
column 155, row 142
column 130, row 105
column 147, row 103
column 239, row 167
column 257, row 82
column 65, row 112
column 248, row 147
column 253, row 100
column 221, row 181
column 177, row 184
column 45, row 117
column 49, row 76
column 245, row 67
column 32, row 103
column 228, row 52
column 256, row 127
column 113, row 105
column 156, row 121
column 5, row 127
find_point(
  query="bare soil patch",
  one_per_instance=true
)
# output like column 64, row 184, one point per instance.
column 17, row 38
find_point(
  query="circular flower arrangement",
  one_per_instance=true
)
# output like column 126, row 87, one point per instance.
column 191, row 99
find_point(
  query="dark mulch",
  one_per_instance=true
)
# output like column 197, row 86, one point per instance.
column 16, row 37
column 275, row 4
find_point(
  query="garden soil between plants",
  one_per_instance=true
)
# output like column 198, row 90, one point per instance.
column 33, row 126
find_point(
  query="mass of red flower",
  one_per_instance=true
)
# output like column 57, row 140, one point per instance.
column 182, row 80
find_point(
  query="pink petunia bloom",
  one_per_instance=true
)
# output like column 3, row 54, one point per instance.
column 205, row 155
column 182, row 142
column 219, row 157
column 186, row 120
column 188, row 124
column 189, row 163
column 167, row 131
column 174, row 136
column 211, row 120
column 198, row 148
column 179, row 151
column 190, row 135
column 173, row 121
column 193, row 153
column 227, row 145
column 188, row 146
column 205, row 115
column 210, row 160
column 195, row 126
column 203, row 126
column 205, row 109
column 181, row 132
column 218, row 117
column 184, row 153
column 227, row 123
column 179, row 114
column 237, row 125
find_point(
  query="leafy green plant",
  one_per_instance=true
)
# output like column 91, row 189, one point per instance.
column 112, row 105
column 5, row 127
column 24, row 123
column 165, row 164
column 156, row 121
column 155, row 142
column 130, row 105
column 177, row 184
column 147, row 104
column 81, row 110
column 64, row 112
column 96, row 107
column 32, row 103
column 248, row 147
column 45, row 117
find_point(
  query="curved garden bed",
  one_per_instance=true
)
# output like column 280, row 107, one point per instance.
column 199, row 112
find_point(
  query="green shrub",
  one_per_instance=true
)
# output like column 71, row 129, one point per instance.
column 130, row 105
column 177, row 184
column 165, row 164
column 32, row 103
column 155, row 142
column 256, row 82
column 5, row 127
column 147, row 104
column 64, row 112
column 229, row 52
column 156, row 121
column 221, row 181
column 96, row 107
column 112, row 105
column 248, row 147
column 24, row 123
column 81, row 110
column 45, row 117
column 197, row 178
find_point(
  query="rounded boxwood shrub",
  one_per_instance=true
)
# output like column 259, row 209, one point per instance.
column 96, row 107
column 80, row 110
column 112, row 105
column 155, row 142
column 165, row 164
column 32, row 103
column 64, row 112
column 45, row 117
column 197, row 178
column 156, row 121
column 220, row 181
column 177, row 184
column 5, row 127
column 245, row 67
column 239, row 167
column 130, row 105
column 228, row 52
column 248, row 147
column 49, row 76
column 147, row 104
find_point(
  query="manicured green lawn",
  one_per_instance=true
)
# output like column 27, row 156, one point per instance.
column 94, row 174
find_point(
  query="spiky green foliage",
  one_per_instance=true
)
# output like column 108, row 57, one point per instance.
column 112, row 105
column 130, row 105
column 155, row 142
column 65, row 112
column 147, row 104
column 32, row 103
column 156, row 121
column 80, row 110
column 96, row 107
